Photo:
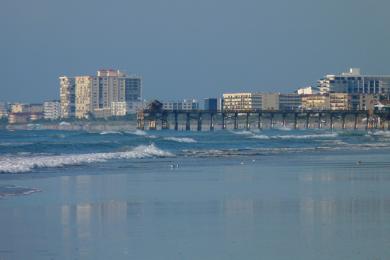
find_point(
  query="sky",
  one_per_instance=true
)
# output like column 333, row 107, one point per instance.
column 189, row 48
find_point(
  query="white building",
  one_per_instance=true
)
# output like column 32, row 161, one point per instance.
column 353, row 82
column 185, row 104
column 3, row 110
column 307, row 91
column 51, row 110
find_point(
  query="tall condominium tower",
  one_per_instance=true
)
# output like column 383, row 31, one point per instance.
column 67, row 96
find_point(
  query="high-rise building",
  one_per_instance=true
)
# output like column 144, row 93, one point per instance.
column 87, row 96
column 67, row 97
column 51, row 110
column 95, row 95
column 353, row 82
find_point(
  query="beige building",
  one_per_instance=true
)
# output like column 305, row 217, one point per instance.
column 20, row 108
column 251, row 101
column 241, row 101
column 269, row 101
column 315, row 102
column 339, row 101
column 86, row 96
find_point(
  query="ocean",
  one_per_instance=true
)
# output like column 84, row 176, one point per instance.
column 256, row 194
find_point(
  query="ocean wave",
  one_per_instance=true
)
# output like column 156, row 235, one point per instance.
column 17, row 164
column 180, row 139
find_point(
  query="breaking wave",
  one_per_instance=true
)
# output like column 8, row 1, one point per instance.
column 180, row 139
column 18, row 164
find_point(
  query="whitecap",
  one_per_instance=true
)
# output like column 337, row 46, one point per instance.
column 380, row 133
column 264, row 137
column 110, row 133
column 18, row 164
column 180, row 139
column 244, row 132
column 312, row 136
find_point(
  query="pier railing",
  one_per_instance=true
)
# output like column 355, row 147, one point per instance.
column 246, row 119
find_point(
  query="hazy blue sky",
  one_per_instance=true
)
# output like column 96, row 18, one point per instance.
column 189, row 48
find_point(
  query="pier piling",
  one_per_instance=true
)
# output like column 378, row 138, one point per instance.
column 199, row 122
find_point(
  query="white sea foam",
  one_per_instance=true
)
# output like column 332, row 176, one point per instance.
column 283, row 128
column 264, row 137
column 17, row 164
column 137, row 132
column 244, row 132
column 312, row 136
column 380, row 133
column 180, row 139
column 110, row 133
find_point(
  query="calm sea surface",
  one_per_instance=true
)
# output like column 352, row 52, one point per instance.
column 272, row 194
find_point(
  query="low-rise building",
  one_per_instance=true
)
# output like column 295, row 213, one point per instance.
column 211, row 104
column 18, row 118
column 185, row 104
column 3, row 110
column 241, row 101
column 339, row 101
column 315, row 102
column 20, row 108
column 52, row 110
column 289, row 101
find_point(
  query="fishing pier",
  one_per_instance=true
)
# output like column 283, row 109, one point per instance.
column 159, row 119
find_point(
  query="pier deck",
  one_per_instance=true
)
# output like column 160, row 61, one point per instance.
column 188, row 119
